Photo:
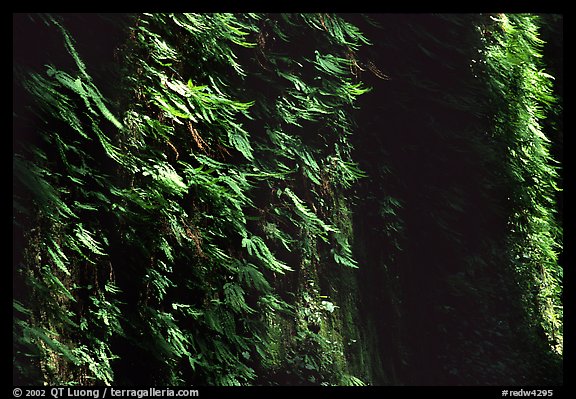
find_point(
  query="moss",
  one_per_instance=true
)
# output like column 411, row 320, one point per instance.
column 278, row 333
column 209, row 223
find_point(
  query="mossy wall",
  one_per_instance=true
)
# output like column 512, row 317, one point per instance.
column 284, row 199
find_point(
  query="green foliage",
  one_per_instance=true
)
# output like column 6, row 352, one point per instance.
column 521, row 93
column 65, row 251
column 434, row 226
column 200, row 222
column 156, row 235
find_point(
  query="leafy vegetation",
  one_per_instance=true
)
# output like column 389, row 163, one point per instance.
column 271, row 199
column 513, row 54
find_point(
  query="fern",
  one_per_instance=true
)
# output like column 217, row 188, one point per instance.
column 350, row 380
column 256, row 246
column 512, row 67
column 234, row 297
column 308, row 217
column 86, row 239
column 331, row 64
column 158, row 194
column 238, row 138
column 252, row 277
